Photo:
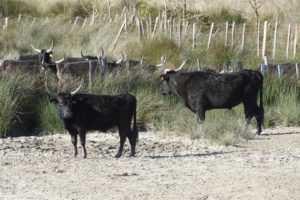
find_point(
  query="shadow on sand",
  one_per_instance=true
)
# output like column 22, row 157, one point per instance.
column 189, row 155
column 280, row 134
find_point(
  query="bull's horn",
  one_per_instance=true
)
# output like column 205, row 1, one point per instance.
column 46, row 85
column 61, row 60
column 75, row 91
column 81, row 54
column 142, row 61
column 120, row 60
column 162, row 61
column 50, row 49
column 166, row 71
column 35, row 49
column 180, row 67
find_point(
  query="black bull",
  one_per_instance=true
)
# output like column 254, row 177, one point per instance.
column 85, row 112
column 202, row 91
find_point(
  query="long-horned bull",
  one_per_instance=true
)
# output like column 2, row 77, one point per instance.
column 81, row 113
column 75, row 67
column 202, row 91
column 42, row 56
column 124, row 62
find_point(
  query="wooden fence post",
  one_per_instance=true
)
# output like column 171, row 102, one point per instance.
column 142, row 28
column 295, row 41
column 258, row 38
column 210, row 33
column 264, row 68
column 6, row 23
column 194, row 35
column 19, row 18
column 239, row 66
column 226, row 33
column 263, row 52
column 288, row 41
column 185, row 28
column 243, row 37
column 169, row 28
column 232, row 34
column 33, row 21
column 225, row 66
column 297, row 70
column 125, row 19
column 109, row 9
column 179, row 33
column 90, row 76
column 119, row 33
column 75, row 22
column 155, row 25
column 279, row 70
column 165, row 18
column 84, row 23
column 92, row 20
column 150, row 26
column 275, row 39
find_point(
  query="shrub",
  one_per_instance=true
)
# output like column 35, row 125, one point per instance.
column 15, row 7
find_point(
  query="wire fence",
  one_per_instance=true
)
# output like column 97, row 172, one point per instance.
column 260, row 39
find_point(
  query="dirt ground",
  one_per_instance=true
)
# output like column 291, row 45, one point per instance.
column 266, row 167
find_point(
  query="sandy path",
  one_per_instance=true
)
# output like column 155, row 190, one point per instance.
column 267, row 167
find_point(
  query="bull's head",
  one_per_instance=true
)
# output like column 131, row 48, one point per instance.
column 165, row 78
column 63, row 100
column 45, row 54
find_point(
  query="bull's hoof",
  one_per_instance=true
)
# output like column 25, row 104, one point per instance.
column 118, row 155
column 258, row 132
column 132, row 154
column 84, row 156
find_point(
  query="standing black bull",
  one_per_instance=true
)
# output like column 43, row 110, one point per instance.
column 202, row 91
column 85, row 112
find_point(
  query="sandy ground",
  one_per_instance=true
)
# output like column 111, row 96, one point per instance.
column 267, row 167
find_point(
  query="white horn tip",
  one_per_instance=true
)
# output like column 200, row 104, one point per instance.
column 166, row 71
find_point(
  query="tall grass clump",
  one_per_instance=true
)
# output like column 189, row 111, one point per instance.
column 19, row 98
column 50, row 121
column 282, row 97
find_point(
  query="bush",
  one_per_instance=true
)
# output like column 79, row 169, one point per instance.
column 15, row 7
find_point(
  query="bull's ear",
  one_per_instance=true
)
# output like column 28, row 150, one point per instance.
column 53, row 100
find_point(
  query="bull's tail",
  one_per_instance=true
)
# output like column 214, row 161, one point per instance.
column 261, row 103
column 135, row 132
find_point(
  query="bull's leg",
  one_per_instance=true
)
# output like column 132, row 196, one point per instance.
column 82, row 136
column 122, row 142
column 74, row 142
column 132, row 140
column 200, row 115
column 258, row 120
column 250, row 111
